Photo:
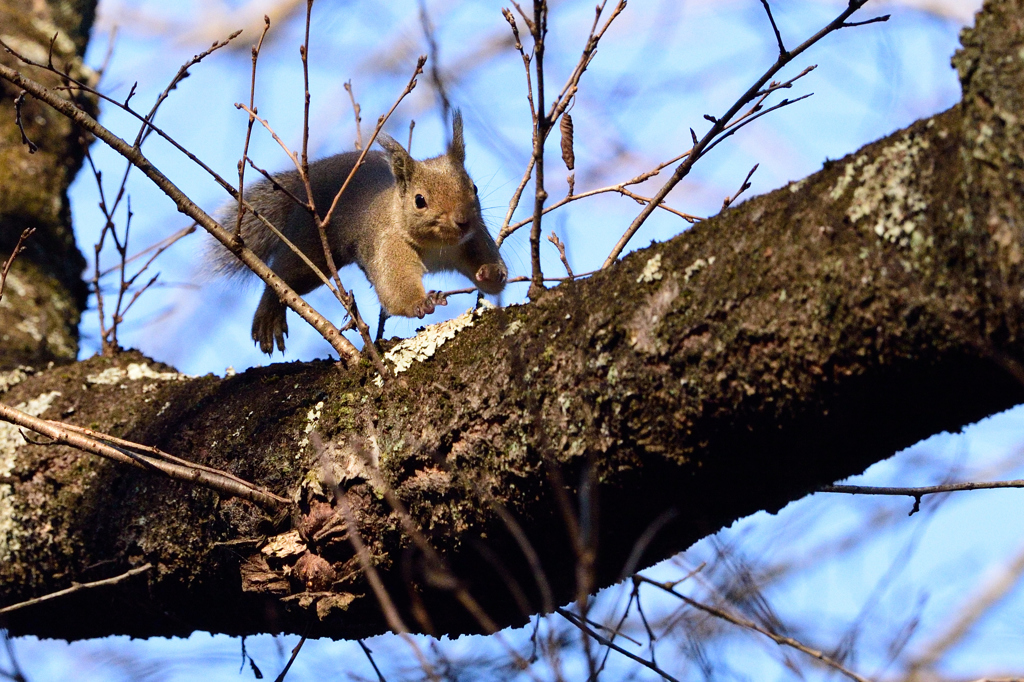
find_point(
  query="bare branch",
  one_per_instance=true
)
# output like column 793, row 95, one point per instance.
column 778, row 36
column 347, row 352
column 918, row 493
column 743, row 622
column 721, row 124
column 18, row 248
column 248, row 130
column 369, row 656
column 356, row 109
column 743, row 188
column 224, row 484
column 436, row 79
column 19, row 101
column 76, row 587
column 575, row 620
column 974, row 608
column 561, row 253
column 291, row 659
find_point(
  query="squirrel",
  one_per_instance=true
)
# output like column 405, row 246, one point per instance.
column 398, row 219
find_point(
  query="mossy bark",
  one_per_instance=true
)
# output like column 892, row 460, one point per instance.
column 45, row 292
column 785, row 344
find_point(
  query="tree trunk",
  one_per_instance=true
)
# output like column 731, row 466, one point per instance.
column 45, row 292
column 785, row 344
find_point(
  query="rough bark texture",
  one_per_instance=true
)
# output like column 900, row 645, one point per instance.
column 45, row 292
column 787, row 343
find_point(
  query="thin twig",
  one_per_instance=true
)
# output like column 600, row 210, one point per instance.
column 436, row 561
column 159, row 246
column 139, row 448
column 520, row 280
column 288, row 665
column 16, row 674
column 226, row 485
column 743, row 188
column 918, row 493
column 541, row 127
column 387, row 605
column 553, row 238
column 347, row 352
column 302, row 166
column 719, row 125
column 111, row 42
column 369, row 656
column 974, row 607
column 778, row 36
column 436, row 79
column 528, row 173
column 560, row 102
column 19, row 101
column 574, row 619
column 248, row 129
column 146, row 122
column 356, row 109
column 75, row 587
column 508, row 229
column 18, row 248
column 742, row 622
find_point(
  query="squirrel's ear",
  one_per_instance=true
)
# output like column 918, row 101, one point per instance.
column 457, row 149
column 401, row 162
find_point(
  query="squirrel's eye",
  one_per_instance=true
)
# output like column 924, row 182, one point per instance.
column 474, row 189
column 420, row 201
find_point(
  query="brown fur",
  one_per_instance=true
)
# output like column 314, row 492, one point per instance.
column 378, row 224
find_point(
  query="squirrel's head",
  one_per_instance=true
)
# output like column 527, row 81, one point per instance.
column 439, row 200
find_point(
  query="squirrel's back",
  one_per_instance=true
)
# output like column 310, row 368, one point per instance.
column 326, row 175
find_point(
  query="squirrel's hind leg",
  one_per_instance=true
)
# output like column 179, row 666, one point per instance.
column 269, row 323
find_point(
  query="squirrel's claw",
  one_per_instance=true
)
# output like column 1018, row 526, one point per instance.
column 429, row 302
column 269, row 326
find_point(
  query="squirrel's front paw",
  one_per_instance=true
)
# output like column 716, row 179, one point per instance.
column 490, row 277
column 427, row 305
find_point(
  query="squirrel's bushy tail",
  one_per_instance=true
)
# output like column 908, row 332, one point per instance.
column 255, row 234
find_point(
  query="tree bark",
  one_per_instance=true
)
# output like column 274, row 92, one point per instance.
column 780, row 346
column 45, row 292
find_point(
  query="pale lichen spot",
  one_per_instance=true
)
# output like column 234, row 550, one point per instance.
column 643, row 326
column 9, row 380
column 513, row 328
column 134, row 372
column 30, row 326
column 423, row 346
column 696, row 266
column 10, row 440
column 312, row 419
column 651, row 271
column 889, row 196
column 14, row 286
column 58, row 343
column 847, row 177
